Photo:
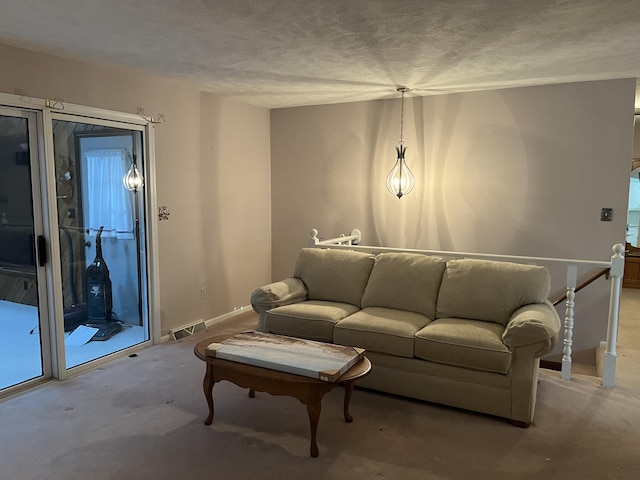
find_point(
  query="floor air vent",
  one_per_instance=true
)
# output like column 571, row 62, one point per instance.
column 188, row 330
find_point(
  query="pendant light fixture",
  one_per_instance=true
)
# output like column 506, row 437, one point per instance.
column 400, row 180
column 133, row 179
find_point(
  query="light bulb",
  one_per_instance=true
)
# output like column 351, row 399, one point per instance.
column 400, row 180
column 133, row 180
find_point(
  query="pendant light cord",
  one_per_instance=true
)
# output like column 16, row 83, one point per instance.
column 402, row 90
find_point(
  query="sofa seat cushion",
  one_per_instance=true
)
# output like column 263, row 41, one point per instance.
column 313, row 320
column 405, row 281
column 488, row 290
column 465, row 343
column 334, row 275
column 382, row 330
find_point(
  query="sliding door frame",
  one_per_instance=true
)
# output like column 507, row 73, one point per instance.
column 54, row 362
column 40, row 228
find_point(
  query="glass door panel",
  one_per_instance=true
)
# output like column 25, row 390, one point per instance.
column 102, row 239
column 21, row 356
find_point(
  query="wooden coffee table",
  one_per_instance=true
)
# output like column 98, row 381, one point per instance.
column 308, row 391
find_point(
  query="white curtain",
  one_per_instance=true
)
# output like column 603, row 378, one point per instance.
column 110, row 204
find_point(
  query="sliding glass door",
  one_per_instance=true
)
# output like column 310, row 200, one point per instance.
column 23, row 305
column 74, row 256
column 102, row 237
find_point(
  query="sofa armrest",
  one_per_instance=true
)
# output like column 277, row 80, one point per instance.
column 534, row 323
column 285, row 292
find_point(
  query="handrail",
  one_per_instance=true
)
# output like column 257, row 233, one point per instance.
column 613, row 268
column 448, row 254
column 587, row 282
column 349, row 240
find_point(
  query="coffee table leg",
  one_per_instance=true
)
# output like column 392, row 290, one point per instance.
column 207, row 385
column 313, row 409
column 348, row 390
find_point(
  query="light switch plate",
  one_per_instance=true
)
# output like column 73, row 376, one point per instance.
column 606, row 215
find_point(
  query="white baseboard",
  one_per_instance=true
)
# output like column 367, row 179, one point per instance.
column 209, row 323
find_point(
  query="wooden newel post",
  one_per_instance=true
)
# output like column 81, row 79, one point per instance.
column 610, row 355
column 572, row 276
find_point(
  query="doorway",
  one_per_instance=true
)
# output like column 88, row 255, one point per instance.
column 100, row 222
column 64, row 209
column 631, row 277
column 22, row 282
column 633, row 211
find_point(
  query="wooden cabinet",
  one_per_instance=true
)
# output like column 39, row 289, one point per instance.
column 631, row 277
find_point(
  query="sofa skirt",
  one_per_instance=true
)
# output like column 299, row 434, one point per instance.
column 483, row 392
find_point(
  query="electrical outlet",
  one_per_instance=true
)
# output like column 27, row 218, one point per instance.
column 203, row 293
column 606, row 215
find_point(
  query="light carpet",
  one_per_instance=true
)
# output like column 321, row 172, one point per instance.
column 20, row 356
column 142, row 418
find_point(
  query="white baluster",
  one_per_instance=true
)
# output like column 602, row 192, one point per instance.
column 610, row 355
column 572, row 275
column 314, row 237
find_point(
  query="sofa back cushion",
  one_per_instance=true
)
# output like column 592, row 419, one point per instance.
column 405, row 281
column 334, row 275
column 488, row 290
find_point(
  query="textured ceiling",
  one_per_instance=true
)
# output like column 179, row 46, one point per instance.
column 281, row 53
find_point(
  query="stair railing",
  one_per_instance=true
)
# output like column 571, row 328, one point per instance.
column 614, row 267
column 586, row 283
column 352, row 239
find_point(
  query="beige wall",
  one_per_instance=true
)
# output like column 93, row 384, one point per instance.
column 235, row 198
column 521, row 171
column 212, row 164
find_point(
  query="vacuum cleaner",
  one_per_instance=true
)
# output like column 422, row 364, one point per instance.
column 99, row 297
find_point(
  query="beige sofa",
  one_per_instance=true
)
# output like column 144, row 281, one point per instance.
column 465, row 333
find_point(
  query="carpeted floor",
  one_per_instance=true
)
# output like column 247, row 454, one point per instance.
column 142, row 418
column 20, row 355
